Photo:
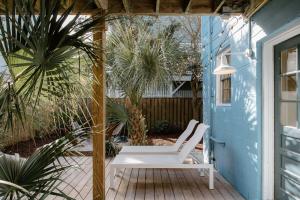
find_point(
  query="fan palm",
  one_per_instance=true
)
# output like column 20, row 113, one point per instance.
column 138, row 56
column 39, row 47
column 39, row 175
column 40, row 40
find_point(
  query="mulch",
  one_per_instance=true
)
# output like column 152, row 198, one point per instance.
column 26, row 148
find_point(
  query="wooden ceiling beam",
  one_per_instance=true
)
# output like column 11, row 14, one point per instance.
column 219, row 7
column 186, row 6
column 157, row 6
column 103, row 4
column 126, row 4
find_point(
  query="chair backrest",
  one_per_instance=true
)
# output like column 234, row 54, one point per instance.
column 188, row 131
column 193, row 141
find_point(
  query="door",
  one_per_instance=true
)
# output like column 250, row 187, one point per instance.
column 287, row 119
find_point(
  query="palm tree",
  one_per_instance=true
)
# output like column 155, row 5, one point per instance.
column 139, row 54
column 39, row 44
column 39, row 48
column 37, row 176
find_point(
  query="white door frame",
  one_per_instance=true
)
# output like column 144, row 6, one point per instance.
column 268, row 109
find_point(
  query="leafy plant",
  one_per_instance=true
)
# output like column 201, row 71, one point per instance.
column 39, row 175
column 111, row 149
column 138, row 56
column 160, row 126
column 39, row 44
column 116, row 112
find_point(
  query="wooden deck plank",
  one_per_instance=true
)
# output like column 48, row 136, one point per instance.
column 107, row 172
column 121, row 193
column 176, row 185
column 148, row 184
column 149, row 195
column 228, row 187
column 195, row 191
column 158, row 187
column 199, row 183
column 184, row 185
column 141, row 185
column 168, row 191
column 112, row 192
column 132, row 185
column 72, row 174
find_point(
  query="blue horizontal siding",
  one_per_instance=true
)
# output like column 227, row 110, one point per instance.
column 240, row 124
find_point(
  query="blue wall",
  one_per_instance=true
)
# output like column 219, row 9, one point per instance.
column 240, row 124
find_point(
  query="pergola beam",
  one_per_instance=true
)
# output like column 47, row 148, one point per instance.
column 126, row 4
column 157, row 6
column 103, row 4
column 98, row 112
column 186, row 6
column 219, row 6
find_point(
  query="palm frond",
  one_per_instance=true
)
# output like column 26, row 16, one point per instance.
column 39, row 175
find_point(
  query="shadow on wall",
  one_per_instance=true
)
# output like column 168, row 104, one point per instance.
column 239, row 125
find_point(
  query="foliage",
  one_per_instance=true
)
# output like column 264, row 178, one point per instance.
column 116, row 112
column 111, row 149
column 39, row 175
column 192, row 60
column 139, row 54
column 160, row 126
column 41, row 46
column 40, row 43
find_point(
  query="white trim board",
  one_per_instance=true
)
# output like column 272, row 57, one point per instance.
column 268, row 108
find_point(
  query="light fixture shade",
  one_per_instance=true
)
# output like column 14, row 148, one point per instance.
column 224, row 68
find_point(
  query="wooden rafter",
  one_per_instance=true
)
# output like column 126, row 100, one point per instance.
column 126, row 4
column 219, row 7
column 103, row 4
column 157, row 6
column 186, row 5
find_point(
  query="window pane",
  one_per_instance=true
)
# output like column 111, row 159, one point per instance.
column 289, row 60
column 226, row 88
column 288, row 114
column 289, row 87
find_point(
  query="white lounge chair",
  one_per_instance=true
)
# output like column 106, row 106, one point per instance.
column 164, row 160
column 161, row 149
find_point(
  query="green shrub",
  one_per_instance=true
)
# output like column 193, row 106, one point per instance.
column 160, row 126
column 111, row 149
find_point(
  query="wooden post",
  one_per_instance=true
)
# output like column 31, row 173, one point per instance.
column 98, row 111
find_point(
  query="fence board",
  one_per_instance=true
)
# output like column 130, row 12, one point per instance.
column 177, row 111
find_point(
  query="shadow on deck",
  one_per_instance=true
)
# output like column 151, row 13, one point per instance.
column 147, row 184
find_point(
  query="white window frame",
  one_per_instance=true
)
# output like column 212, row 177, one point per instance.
column 218, row 81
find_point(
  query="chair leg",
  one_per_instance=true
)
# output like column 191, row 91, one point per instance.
column 211, row 177
column 112, row 176
column 201, row 170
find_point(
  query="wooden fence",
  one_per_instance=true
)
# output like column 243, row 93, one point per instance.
column 177, row 111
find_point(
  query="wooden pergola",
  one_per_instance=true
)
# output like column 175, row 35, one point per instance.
column 142, row 7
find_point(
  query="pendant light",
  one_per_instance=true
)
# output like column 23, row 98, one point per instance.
column 224, row 68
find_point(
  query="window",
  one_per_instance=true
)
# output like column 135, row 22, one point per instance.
column 223, row 90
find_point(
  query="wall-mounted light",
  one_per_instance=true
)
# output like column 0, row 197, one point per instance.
column 224, row 68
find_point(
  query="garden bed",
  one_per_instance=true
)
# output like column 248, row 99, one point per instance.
column 26, row 148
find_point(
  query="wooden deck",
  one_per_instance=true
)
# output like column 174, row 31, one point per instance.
column 147, row 184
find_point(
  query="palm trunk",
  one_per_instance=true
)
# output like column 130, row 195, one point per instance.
column 196, row 101
column 137, row 125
